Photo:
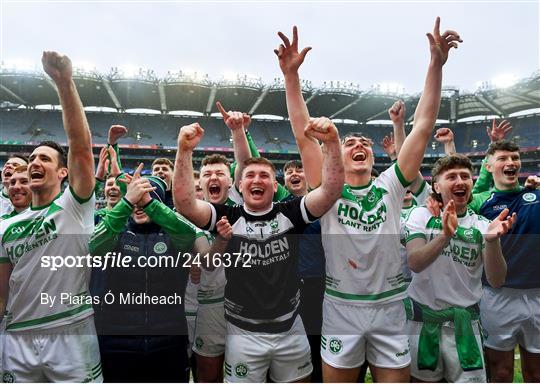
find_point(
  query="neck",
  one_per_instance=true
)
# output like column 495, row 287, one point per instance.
column 19, row 209
column 407, row 204
column 301, row 193
column 355, row 179
column 44, row 197
column 506, row 187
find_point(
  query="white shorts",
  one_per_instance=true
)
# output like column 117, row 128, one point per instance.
column 191, row 306
column 350, row 334
column 511, row 317
column 249, row 356
column 448, row 367
column 68, row 353
column 210, row 330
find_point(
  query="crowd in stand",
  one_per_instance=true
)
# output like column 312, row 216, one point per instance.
column 224, row 274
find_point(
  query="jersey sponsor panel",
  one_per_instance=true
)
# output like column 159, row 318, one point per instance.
column 459, row 265
column 360, row 236
column 62, row 228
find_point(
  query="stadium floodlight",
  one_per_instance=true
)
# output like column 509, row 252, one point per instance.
column 388, row 88
column 504, row 80
column 236, row 79
column 230, row 76
column 341, row 86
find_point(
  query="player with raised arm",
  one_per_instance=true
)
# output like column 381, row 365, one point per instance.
column 264, row 332
column 58, row 223
column 451, row 251
column 363, row 316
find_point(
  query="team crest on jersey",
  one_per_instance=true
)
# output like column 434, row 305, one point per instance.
column 160, row 247
column 529, row 197
column 469, row 234
column 241, row 370
column 8, row 377
column 335, row 346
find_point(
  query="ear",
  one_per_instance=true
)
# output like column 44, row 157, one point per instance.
column 436, row 187
column 275, row 185
column 489, row 167
column 62, row 173
column 240, row 186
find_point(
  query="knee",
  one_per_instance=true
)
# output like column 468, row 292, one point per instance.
column 501, row 373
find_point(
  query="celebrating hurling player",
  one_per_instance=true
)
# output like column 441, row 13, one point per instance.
column 363, row 314
column 447, row 256
column 58, row 223
column 264, row 333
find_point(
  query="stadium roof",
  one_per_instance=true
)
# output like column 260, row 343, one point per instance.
column 183, row 92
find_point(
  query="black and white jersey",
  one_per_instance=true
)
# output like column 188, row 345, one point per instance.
column 262, row 289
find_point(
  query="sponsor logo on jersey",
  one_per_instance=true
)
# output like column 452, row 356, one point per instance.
column 469, row 234
column 241, row 370
column 8, row 377
column 199, row 342
column 160, row 247
column 335, row 346
column 529, row 197
column 404, row 353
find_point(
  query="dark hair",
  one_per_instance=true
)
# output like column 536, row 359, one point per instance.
column 62, row 155
column 163, row 160
column 292, row 164
column 502, row 145
column 18, row 156
column 215, row 159
column 374, row 172
column 355, row 134
column 260, row 160
column 446, row 163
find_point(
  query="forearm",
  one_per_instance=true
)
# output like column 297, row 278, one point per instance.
column 182, row 232
column 484, row 180
column 118, row 161
column 184, row 189
column 333, row 176
column 310, row 151
column 412, row 153
column 419, row 258
column 80, row 157
column 494, row 264
column 106, row 234
column 241, row 153
column 450, row 147
column 399, row 135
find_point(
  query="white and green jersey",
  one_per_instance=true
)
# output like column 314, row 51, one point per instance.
column 5, row 204
column 422, row 194
column 454, row 278
column 61, row 228
column 360, row 236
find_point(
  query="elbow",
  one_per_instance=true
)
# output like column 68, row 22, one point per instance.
column 497, row 282
column 413, row 264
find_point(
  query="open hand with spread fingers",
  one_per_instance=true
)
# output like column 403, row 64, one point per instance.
column 500, row 226
column 498, row 131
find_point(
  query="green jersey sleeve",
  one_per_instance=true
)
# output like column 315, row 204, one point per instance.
column 106, row 234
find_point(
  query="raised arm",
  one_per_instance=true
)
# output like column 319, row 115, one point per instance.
column 196, row 211
column 237, row 122
column 397, row 115
column 446, row 137
column 289, row 62
column 412, row 153
column 80, row 157
column 321, row 199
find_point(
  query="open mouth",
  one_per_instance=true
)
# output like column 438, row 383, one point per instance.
column 214, row 190
column 257, row 192
column 510, row 172
column 139, row 211
column 8, row 173
column 359, row 156
column 36, row 175
column 459, row 193
column 295, row 181
column 113, row 194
